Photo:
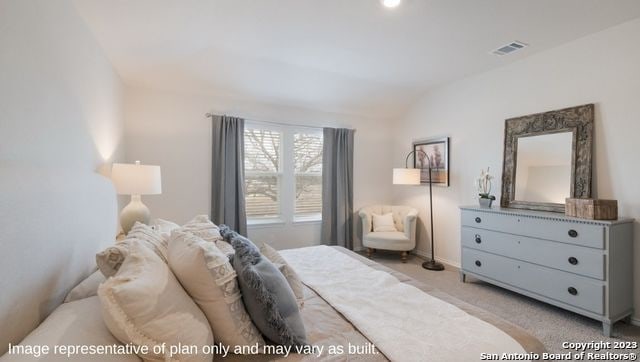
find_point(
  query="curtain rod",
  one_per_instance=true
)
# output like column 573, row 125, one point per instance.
column 209, row 115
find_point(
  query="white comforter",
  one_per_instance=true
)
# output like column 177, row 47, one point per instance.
column 402, row 321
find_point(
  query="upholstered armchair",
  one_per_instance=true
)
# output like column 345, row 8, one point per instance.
column 403, row 240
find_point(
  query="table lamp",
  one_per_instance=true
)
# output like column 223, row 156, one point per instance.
column 135, row 180
column 411, row 176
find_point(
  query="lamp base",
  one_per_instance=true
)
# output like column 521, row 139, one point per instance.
column 433, row 265
column 134, row 211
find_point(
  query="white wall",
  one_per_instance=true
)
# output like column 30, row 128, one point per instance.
column 60, row 121
column 602, row 68
column 60, row 97
column 171, row 130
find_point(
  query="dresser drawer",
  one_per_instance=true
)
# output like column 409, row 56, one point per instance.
column 575, row 259
column 581, row 292
column 568, row 232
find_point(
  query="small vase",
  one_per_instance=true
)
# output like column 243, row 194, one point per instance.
column 485, row 202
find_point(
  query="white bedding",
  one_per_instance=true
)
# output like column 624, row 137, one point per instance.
column 403, row 322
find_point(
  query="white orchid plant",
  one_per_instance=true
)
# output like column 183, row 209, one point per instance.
column 483, row 183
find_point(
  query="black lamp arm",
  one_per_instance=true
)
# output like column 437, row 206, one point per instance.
column 406, row 160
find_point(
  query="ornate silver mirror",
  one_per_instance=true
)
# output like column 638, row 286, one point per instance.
column 547, row 158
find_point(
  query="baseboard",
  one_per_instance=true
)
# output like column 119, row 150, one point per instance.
column 427, row 255
column 635, row 321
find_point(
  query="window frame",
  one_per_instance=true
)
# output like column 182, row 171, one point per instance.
column 287, row 174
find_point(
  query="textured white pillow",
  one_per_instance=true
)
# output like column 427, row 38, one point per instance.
column 205, row 272
column 110, row 259
column 203, row 228
column 144, row 304
column 383, row 222
column 164, row 228
column 87, row 288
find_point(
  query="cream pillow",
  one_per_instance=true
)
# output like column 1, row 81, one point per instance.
column 87, row 288
column 205, row 272
column 202, row 227
column 383, row 222
column 75, row 323
column 289, row 273
column 164, row 228
column 110, row 259
column 145, row 305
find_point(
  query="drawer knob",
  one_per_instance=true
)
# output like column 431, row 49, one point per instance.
column 478, row 220
column 572, row 291
column 478, row 263
column 478, row 239
column 573, row 261
column 573, row 233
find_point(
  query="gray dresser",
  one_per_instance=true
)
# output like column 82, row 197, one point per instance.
column 584, row 266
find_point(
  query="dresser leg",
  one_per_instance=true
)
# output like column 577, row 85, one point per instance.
column 606, row 328
column 463, row 277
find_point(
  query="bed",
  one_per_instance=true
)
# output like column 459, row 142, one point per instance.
column 334, row 317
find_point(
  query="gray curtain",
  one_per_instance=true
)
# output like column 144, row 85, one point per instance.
column 227, row 173
column 337, row 187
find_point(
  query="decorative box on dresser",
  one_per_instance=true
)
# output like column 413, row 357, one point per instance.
column 584, row 266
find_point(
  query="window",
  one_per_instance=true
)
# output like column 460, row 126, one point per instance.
column 262, row 150
column 283, row 173
column 307, row 153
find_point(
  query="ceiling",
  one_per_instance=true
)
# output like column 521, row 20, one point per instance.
column 341, row 56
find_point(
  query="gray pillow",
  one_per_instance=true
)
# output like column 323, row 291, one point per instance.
column 266, row 293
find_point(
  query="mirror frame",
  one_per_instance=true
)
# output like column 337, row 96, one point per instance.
column 579, row 121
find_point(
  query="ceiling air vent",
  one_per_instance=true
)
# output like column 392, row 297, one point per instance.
column 509, row 48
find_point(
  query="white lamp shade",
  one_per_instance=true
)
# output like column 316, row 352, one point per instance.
column 406, row 176
column 136, row 179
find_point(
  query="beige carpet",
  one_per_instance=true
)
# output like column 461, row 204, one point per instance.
column 551, row 325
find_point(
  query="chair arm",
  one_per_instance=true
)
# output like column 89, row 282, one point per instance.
column 410, row 225
column 366, row 223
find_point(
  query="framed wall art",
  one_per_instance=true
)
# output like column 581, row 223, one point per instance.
column 437, row 151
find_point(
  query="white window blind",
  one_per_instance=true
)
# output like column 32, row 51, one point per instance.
column 307, row 150
column 262, row 165
column 283, row 173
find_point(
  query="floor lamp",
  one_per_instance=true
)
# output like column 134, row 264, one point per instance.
column 411, row 176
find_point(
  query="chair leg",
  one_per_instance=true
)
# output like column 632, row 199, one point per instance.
column 403, row 256
column 369, row 252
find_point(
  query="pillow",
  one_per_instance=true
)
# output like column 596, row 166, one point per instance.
column 110, row 259
column 144, row 304
column 270, row 253
column 202, row 227
column 204, row 271
column 164, row 227
column 87, row 288
column 267, row 295
column 383, row 222
column 152, row 238
column 289, row 273
column 75, row 323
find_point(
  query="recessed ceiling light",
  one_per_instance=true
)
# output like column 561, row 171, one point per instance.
column 391, row 3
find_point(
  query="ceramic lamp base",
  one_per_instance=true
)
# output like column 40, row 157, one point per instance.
column 134, row 211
